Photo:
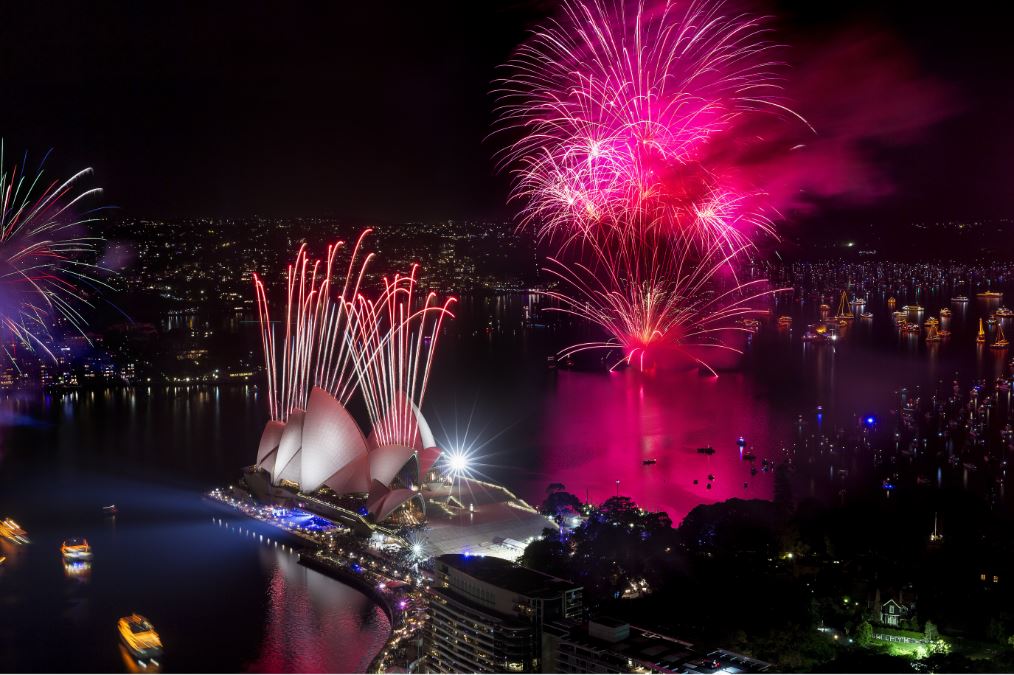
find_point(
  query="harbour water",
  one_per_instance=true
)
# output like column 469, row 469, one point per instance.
column 227, row 596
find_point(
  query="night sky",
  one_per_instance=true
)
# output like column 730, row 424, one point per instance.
column 380, row 111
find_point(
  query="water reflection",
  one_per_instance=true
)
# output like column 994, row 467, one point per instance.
column 603, row 429
column 314, row 624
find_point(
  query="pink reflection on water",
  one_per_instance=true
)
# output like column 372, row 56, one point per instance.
column 600, row 428
column 315, row 624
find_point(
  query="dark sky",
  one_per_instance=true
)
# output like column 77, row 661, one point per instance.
column 374, row 110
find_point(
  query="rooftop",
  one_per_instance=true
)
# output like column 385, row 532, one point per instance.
column 507, row 575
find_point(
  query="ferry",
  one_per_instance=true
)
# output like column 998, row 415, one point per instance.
column 11, row 530
column 960, row 298
column 1001, row 340
column 991, row 295
column 139, row 637
column 76, row 548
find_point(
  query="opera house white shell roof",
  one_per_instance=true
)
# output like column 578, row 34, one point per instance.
column 324, row 446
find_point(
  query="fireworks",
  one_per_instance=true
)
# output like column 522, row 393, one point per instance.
column 394, row 340
column 338, row 339
column 47, row 268
column 661, row 305
column 315, row 349
column 624, row 111
column 628, row 113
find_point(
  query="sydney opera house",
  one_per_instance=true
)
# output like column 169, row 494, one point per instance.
column 320, row 460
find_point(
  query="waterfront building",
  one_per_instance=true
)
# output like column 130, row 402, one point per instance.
column 487, row 615
column 606, row 645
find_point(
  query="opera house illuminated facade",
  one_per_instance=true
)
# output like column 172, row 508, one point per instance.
column 322, row 451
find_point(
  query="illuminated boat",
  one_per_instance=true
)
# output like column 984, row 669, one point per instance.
column 139, row 637
column 76, row 548
column 991, row 295
column 110, row 510
column 945, row 312
column 1005, row 312
column 959, row 298
column 11, row 530
column 891, row 302
column 913, row 308
column 785, row 320
column 1001, row 340
column 932, row 335
column 932, row 321
column 866, row 315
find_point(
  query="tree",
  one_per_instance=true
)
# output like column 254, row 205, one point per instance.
column 931, row 632
column 555, row 487
column 559, row 505
column 864, row 634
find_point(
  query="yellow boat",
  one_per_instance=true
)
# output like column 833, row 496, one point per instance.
column 76, row 548
column 990, row 294
column 1001, row 340
column 139, row 637
column 11, row 530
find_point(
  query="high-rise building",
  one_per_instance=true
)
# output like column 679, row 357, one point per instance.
column 487, row 615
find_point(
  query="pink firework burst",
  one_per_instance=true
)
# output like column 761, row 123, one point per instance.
column 622, row 107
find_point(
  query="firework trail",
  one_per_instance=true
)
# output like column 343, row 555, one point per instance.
column 340, row 340
column 622, row 109
column 661, row 305
column 314, row 349
column 47, row 260
column 393, row 342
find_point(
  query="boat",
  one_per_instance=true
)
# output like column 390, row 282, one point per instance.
column 844, row 310
column 866, row 315
column 140, row 637
column 706, row 451
column 1005, row 312
column 932, row 321
column 1001, row 340
column 992, row 295
column 944, row 333
column 110, row 510
column 12, row 531
column 891, row 302
column 913, row 308
column 932, row 335
column 959, row 298
column 981, row 337
column 785, row 320
column 76, row 548
column 648, row 461
column 945, row 312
